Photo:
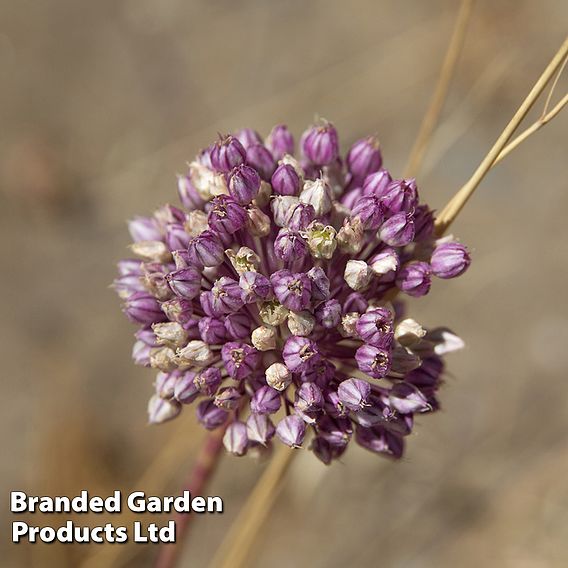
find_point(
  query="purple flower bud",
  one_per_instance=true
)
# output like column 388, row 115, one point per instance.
column 355, row 302
column 398, row 230
column 328, row 314
column 335, row 431
column 285, row 180
column 237, row 325
column 293, row 291
column 127, row 284
column 320, row 284
column 407, row 399
column 354, row 393
column 227, row 295
column 260, row 428
column 247, row 137
column 188, row 195
column 374, row 361
column 450, row 260
column 427, row 376
column 301, row 216
column 185, row 283
column 186, row 390
column 376, row 184
column 364, row 158
column 332, row 404
column 235, row 438
column 380, row 441
column 323, row 450
column 165, row 384
column 376, row 327
column 280, row 141
column 370, row 211
column 265, row 400
column 161, row 410
column 423, row 223
column 320, row 373
column 206, row 249
column 227, row 153
column 226, row 215
column 228, row 398
column 291, row 431
column 300, row 353
column 176, row 236
column 208, row 304
column 260, row 158
column 209, row 415
column 289, row 246
column 255, row 287
column 144, row 229
column 309, row 398
column 168, row 214
column 244, row 184
column 401, row 196
column 208, row 380
column 240, row 359
column 142, row 308
column 414, row 279
column 130, row 267
column 141, row 353
column 320, row 144
column 212, row 330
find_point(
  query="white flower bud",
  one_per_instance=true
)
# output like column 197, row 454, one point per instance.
column 278, row 376
column 258, row 223
column 282, row 207
column 409, row 332
column 350, row 236
column 357, row 274
column 244, row 260
column 301, row 323
column 196, row 222
column 195, row 353
column 321, row 240
column 264, row 193
column 264, row 338
column 445, row 341
column 348, row 322
column 317, row 194
column 207, row 182
column 273, row 312
column 385, row 262
column 163, row 358
column 170, row 334
column 154, row 251
column 161, row 410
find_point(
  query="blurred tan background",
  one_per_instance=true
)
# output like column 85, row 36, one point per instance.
column 101, row 104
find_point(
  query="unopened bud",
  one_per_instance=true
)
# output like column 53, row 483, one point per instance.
column 317, row 193
column 258, row 223
column 350, row 236
column 264, row 338
column 357, row 274
column 301, row 323
column 161, row 410
column 347, row 327
column 195, row 353
column 170, row 334
column 154, row 251
column 278, row 376
column 196, row 222
column 409, row 332
column 163, row 358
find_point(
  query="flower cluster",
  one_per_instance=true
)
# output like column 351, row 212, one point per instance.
column 269, row 298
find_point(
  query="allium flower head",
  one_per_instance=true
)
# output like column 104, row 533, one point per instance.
column 265, row 300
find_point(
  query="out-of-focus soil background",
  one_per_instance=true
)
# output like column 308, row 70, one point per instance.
column 102, row 103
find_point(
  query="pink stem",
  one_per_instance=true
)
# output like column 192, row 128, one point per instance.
column 197, row 480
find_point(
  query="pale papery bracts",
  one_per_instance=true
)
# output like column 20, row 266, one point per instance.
column 269, row 299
